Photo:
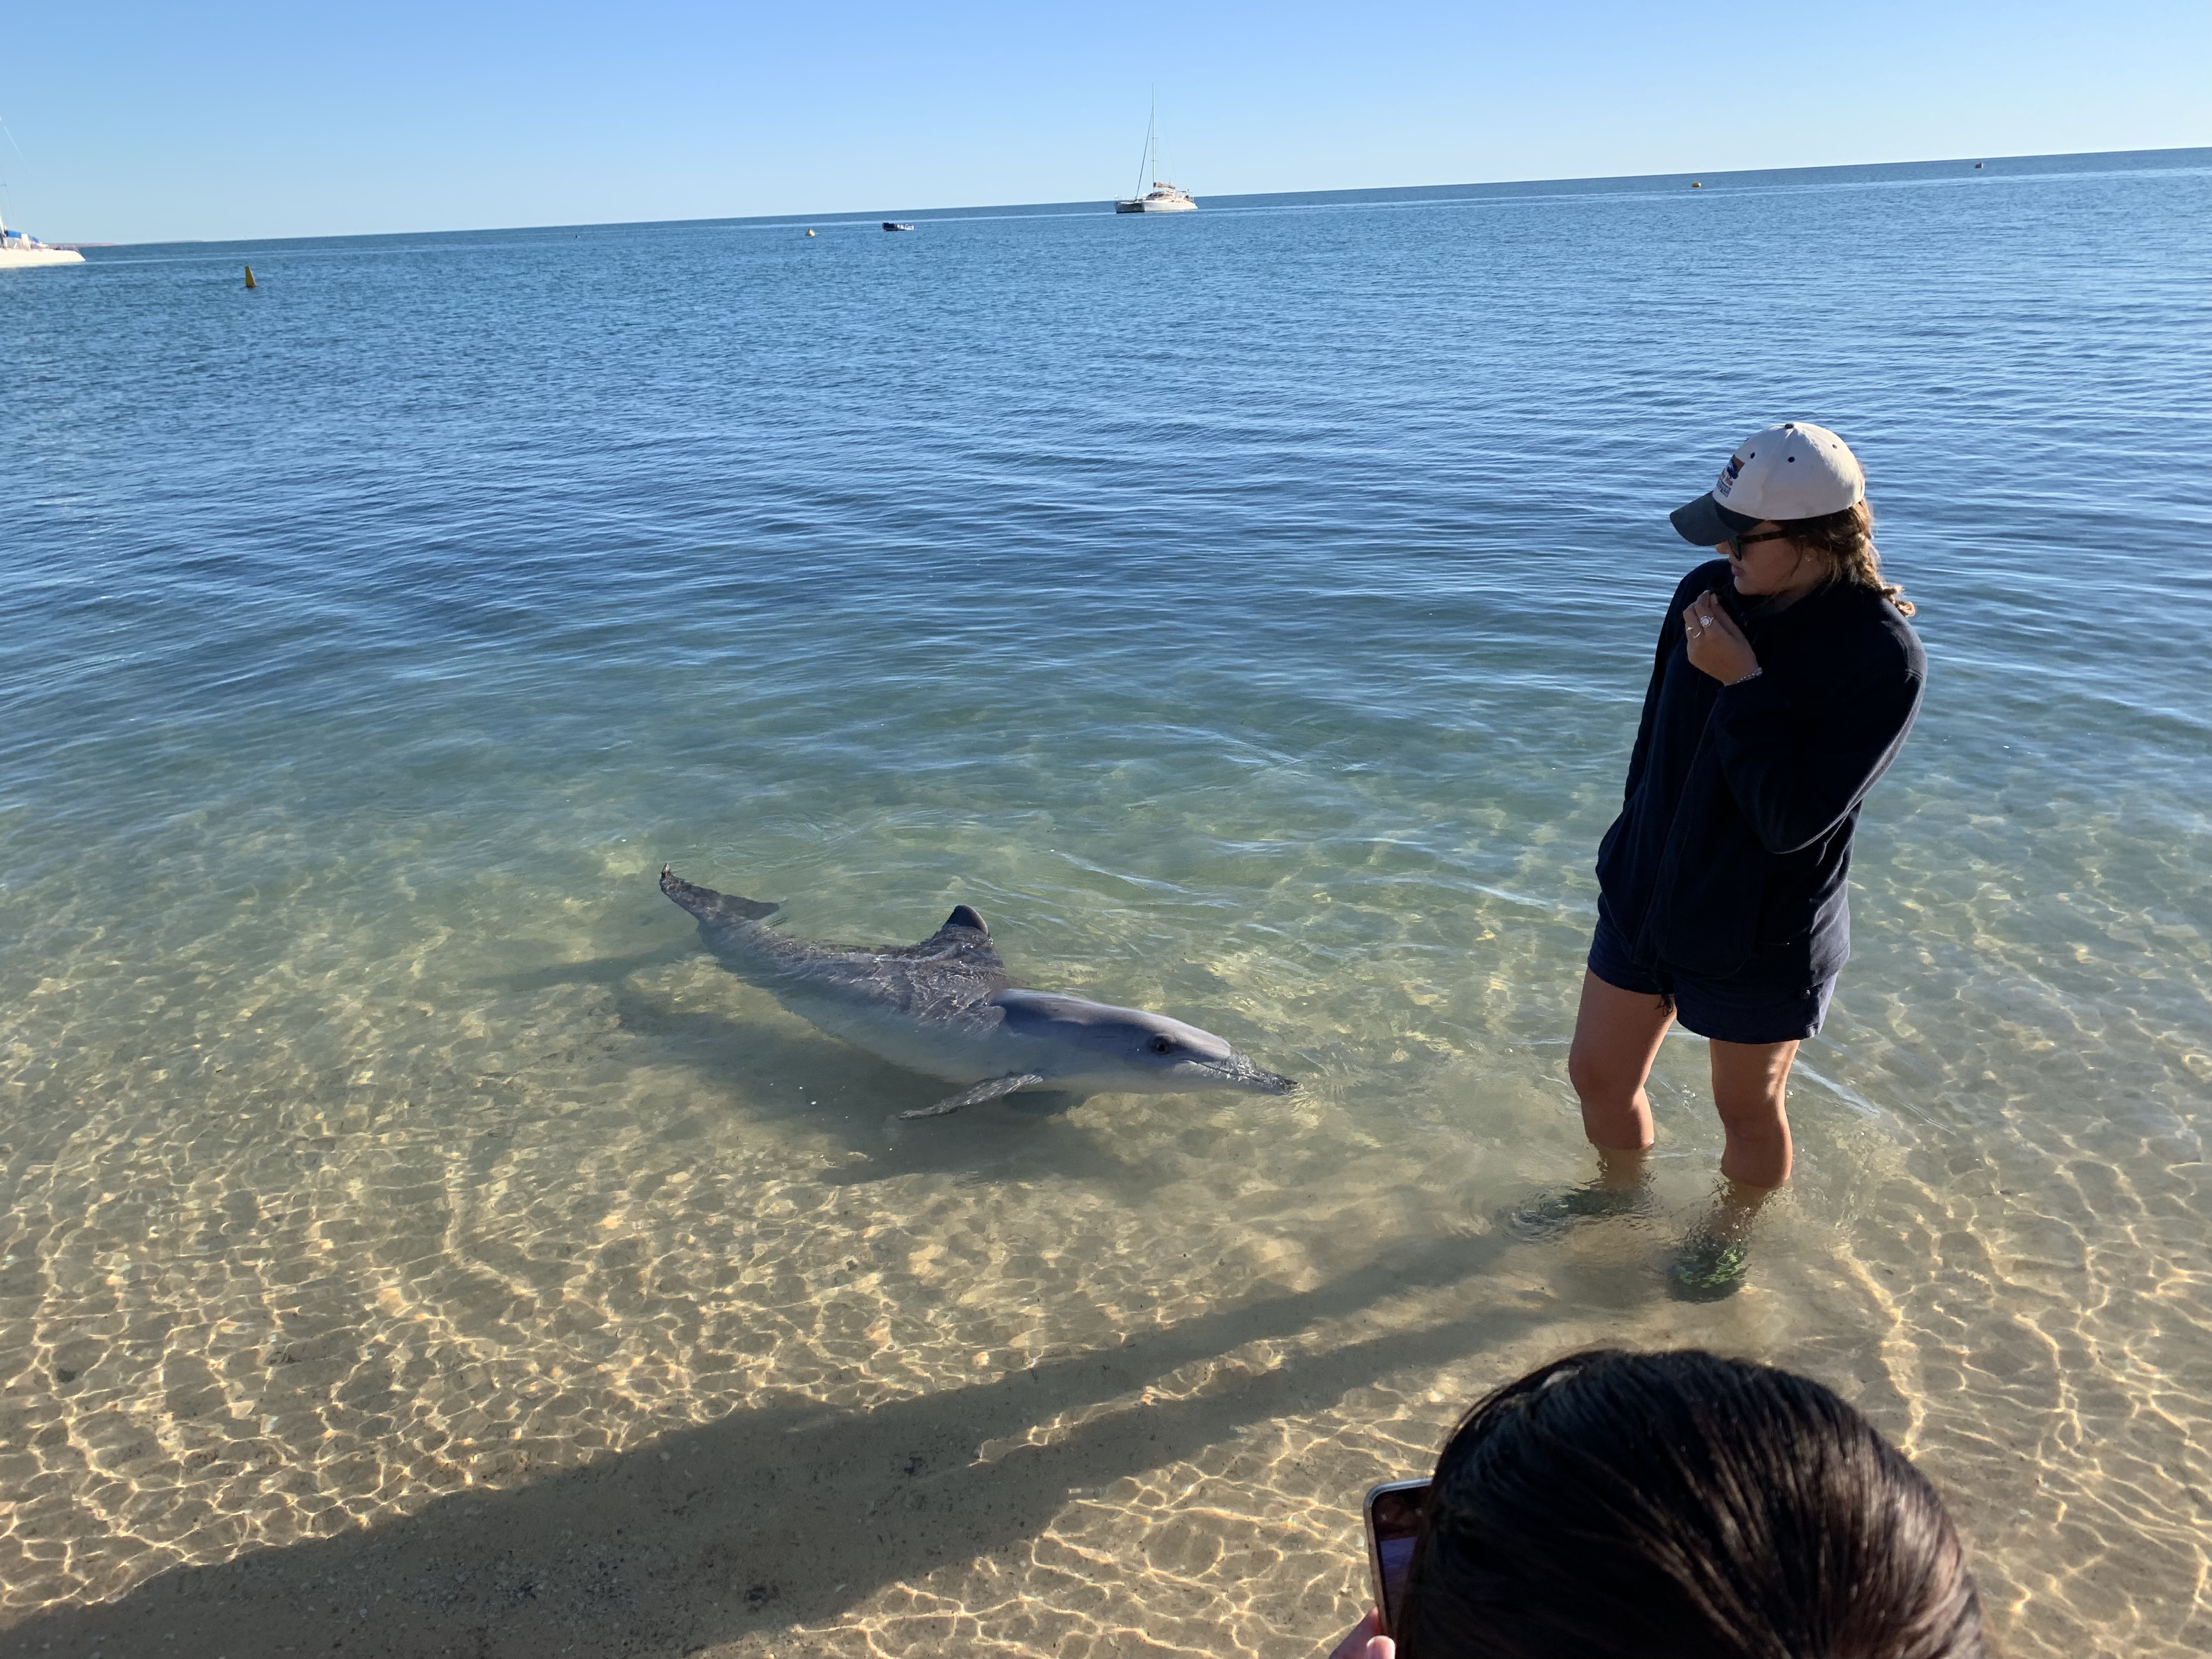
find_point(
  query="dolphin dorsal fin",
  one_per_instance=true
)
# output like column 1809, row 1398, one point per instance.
column 963, row 940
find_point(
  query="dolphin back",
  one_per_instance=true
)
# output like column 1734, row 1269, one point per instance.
column 925, row 1006
column 955, row 965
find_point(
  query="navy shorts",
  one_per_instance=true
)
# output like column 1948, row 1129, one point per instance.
column 1726, row 1010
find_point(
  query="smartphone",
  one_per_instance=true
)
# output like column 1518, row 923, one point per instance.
column 1393, row 1519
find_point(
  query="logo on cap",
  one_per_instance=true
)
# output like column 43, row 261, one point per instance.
column 1729, row 474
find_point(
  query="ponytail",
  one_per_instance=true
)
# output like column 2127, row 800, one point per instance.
column 1846, row 540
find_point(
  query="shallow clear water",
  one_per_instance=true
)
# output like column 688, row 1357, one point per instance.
column 1248, row 612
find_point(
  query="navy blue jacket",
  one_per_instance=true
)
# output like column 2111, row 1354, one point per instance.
column 1728, row 859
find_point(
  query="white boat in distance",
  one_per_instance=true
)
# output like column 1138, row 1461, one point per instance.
column 19, row 249
column 1162, row 197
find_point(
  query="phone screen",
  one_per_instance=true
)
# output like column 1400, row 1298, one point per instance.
column 1393, row 1519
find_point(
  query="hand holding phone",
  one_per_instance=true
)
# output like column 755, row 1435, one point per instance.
column 1394, row 1522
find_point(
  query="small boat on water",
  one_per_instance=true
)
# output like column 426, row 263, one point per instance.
column 19, row 249
column 1162, row 197
column 892, row 224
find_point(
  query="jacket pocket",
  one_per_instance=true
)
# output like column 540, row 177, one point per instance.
column 1710, row 921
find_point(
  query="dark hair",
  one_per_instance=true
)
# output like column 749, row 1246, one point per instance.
column 1613, row 1504
column 1846, row 540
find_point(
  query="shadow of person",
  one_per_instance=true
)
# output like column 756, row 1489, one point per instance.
column 789, row 1513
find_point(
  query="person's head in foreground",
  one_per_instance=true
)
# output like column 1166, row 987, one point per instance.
column 1616, row 1503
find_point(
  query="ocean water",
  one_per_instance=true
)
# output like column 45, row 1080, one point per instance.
column 1248, row 611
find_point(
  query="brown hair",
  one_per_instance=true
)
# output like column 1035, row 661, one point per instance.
column 1617, row 1505
column 1846, row 540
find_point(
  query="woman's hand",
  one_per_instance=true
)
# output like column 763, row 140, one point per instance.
column 1716, row 645
column 1361, row 1642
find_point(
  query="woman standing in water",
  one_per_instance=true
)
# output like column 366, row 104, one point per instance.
column 1785, row 680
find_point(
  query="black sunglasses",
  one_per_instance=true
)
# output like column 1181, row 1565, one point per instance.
column 1740, row 542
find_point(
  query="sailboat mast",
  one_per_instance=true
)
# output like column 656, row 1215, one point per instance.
column 1145, row 162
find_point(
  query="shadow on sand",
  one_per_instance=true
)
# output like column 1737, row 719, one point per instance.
column 782, row 1515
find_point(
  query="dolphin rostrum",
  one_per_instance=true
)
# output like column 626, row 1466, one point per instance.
column 946, row 1008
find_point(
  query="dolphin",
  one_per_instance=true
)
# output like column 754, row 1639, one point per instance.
column 946, row 1008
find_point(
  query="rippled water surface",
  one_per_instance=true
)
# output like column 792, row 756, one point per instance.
column 1248, row 613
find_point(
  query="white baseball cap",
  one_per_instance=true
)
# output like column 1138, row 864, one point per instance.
column 1794, row 471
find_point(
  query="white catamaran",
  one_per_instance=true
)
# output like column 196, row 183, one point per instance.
column 1162, row 198
column 19, row 248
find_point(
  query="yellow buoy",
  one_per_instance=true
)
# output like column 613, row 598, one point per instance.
column 249, row 276
column 1694, row 185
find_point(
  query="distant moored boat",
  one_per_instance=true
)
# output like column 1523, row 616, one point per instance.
column 19, row 249
column 1162, row 197
column 892, row 224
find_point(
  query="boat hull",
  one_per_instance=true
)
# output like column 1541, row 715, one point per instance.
column 18, row 259
column 1145, row 205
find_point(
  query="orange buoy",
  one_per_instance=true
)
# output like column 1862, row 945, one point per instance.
column 249, row 276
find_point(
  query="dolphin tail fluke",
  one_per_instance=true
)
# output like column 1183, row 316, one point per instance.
column 976, row 1093
column 710, row 906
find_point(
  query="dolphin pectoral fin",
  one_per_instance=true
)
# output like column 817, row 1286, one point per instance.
column 976, row 1093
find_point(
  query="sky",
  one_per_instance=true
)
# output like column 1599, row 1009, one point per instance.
column 134, row 122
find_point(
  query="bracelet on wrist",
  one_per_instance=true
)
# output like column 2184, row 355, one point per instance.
column 1748, row 678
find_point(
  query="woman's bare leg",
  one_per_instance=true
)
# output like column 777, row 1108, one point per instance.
column 1617, row 1037
column 1749, row 1082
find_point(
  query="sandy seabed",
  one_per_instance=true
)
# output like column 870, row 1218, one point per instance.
column 606, row 1311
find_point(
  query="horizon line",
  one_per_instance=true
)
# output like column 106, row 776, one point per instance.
column 1246, row 199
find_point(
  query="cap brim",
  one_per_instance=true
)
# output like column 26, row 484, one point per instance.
column 1705, row 523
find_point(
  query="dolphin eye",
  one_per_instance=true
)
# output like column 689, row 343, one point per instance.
column 1163, row 1045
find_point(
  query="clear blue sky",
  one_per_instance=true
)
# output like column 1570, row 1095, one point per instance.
column 143, row 122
